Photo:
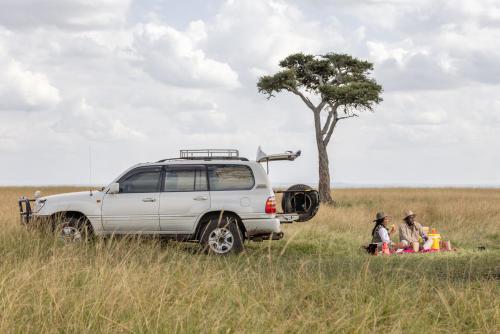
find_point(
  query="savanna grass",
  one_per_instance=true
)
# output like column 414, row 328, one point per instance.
column 315, row 280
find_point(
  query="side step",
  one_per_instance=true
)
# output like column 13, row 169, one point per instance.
column 271, row 236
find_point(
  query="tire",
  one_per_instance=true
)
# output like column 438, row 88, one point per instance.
column 221, row 235
column 306, row 204
column 73, row 229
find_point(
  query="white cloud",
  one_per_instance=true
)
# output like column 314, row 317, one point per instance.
column 400, row 51
column 174, row 58
column 254, row 36
column 7, row 139
column 23, row 89
column 94, row 124
column 72, row 14
column 446, row 53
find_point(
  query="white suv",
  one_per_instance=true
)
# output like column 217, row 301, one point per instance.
column 218, row 201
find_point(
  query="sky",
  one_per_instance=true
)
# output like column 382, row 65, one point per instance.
column 136, row 81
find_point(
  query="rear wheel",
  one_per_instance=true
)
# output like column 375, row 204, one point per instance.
column 221, row 235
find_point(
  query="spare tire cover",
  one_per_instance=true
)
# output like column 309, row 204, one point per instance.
column 305, row 204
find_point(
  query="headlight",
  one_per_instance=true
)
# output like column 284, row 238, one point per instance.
column 39, row 203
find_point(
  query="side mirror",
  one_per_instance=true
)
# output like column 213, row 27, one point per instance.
column 114, row 188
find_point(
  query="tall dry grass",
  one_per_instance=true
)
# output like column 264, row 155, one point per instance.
column 315, row 280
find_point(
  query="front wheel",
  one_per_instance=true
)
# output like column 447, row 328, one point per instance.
column 221, row 235
column 73, row 230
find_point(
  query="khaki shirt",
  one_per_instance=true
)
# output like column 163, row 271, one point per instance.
column 412, row 233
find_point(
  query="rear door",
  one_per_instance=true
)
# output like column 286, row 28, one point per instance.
column 231, row 189
column 184, row 198
column 135, row 207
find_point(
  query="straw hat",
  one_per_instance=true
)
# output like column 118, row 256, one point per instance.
column 380, row 216
column 409, row 213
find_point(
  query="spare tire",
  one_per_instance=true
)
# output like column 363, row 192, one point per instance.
column 305, row 204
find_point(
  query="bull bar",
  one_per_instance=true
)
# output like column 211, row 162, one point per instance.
column 25, row 210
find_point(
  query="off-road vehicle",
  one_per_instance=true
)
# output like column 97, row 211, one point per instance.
column 214, row 197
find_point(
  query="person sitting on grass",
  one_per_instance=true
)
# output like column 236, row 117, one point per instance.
column 380, row 233
column 410, row 231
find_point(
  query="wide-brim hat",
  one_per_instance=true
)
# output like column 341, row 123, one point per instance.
column 380, row 215
column 409, row 213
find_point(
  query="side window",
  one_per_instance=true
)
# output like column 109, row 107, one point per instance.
column 142, row 181
column 230, row 177
column 185, row 178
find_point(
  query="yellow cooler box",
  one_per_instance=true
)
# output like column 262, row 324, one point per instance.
column 436, row 239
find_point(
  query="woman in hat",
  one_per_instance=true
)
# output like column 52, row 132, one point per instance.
column 380, row 233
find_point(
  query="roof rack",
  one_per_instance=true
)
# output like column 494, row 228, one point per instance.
column 208, row 154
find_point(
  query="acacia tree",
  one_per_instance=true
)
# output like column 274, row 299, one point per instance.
column 335, row 87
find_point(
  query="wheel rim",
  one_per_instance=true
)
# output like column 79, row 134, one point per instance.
column 221, row 240
column 303, row 199
column 70, row 234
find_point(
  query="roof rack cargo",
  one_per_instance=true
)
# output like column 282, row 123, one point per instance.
column 208, row 154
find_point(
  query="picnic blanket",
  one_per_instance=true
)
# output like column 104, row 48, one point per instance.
column 409, row 251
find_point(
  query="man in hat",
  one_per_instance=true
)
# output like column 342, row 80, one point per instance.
column 410, row 231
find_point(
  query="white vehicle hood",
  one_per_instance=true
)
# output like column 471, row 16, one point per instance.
column 79, row 195
column 80, row 201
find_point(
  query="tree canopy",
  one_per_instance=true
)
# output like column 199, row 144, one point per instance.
column 342, row 82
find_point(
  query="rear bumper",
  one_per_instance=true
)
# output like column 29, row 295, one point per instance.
column 262, row 226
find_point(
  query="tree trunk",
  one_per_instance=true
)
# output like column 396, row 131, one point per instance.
column 325, row 195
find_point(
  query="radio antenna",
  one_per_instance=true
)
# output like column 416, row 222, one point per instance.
column 90, row 168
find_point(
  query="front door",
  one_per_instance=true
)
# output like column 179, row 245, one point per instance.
column 135, row 208
column 183, row 199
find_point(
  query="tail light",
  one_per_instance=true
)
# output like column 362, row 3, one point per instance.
column 271, row 205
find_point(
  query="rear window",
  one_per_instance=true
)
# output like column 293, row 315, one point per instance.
column 230, row 177
column 185, row 178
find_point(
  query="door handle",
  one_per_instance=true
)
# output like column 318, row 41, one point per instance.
column 149, row 199
column 200, row 198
